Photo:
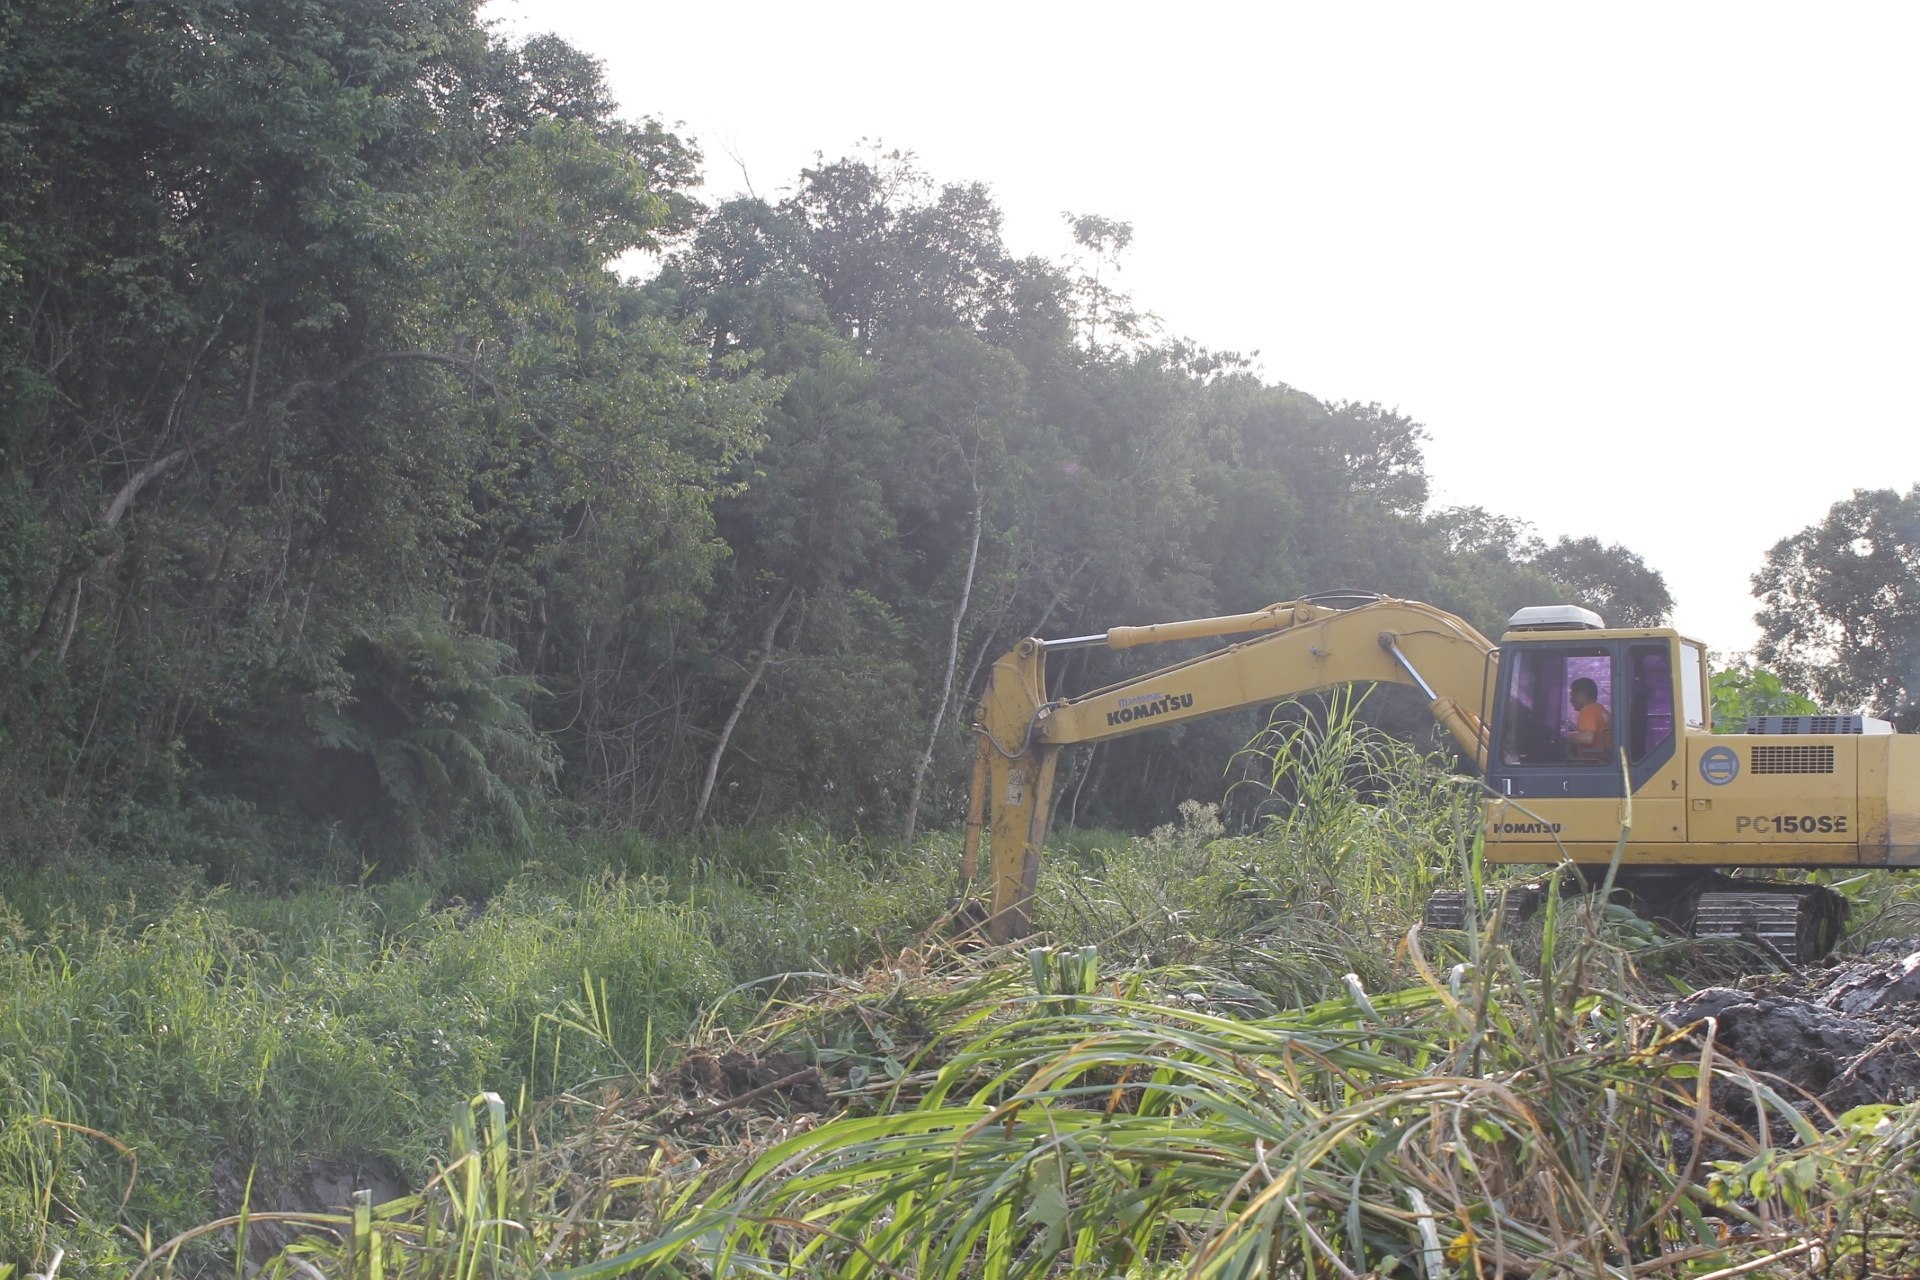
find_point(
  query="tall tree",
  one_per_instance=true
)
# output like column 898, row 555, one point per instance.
column 811, row 523
column 961, row 403
column 1840, row 605
column 206, row 358
column 1609, row 579
column 1104, row 314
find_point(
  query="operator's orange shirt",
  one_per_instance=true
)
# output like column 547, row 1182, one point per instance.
column 1593, row 718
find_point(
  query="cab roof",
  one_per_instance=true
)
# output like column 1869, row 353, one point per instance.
column 1555, row 617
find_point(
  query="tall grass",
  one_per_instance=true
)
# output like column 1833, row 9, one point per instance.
column 1135, row 1097
column 1359, row 827
column 1364, row 826
column 1468, row 1117
column 157, row 1036
column 195, row 1046
column 1228, row 1055
column 1488, row 1119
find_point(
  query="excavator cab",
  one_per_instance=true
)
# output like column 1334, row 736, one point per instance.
column 1598, row 747
column 1571, row 699
column 1588, row 732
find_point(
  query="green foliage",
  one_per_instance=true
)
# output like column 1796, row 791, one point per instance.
column 1740, row 692
column 1157, row 897
column 1105, row 1127
column 1609, row 579
column 808, row 902
column 1049, row 1112
column 265, row 1033
column 150, row 1033
column 1368, row 817
column 1104, row 314
column 1265, row 1102
column 1860, row 1175
column 1359, row 829
column 1840, row 606
column 436, row 737
column 315, row 328
column 358, row 514
column 324, row 364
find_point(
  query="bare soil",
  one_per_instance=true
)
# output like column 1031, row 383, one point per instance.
column 1841, row 1036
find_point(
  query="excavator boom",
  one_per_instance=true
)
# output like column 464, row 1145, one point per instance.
column 1293, row 648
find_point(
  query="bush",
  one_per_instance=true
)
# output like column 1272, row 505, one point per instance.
column 332, row 1023
column 1360, row 829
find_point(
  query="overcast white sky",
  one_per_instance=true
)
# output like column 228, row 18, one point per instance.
column 1644, row 271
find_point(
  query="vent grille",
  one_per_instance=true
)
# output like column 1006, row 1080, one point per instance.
column 1806, row 724
column 1793, row 759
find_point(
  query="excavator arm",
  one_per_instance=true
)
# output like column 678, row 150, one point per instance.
column 1294, row 648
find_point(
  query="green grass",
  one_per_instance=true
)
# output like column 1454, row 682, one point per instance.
column 1113, row 1134
column 152, row 1030
column 195, row 1041
column 1360, row 828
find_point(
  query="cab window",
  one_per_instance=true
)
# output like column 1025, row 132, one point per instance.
column 1650, row 710
column 1692, row 678
column 1559, row 706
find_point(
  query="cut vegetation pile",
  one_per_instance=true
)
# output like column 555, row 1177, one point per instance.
column 1031, row 1114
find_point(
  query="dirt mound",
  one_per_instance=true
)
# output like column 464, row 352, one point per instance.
column 1844, row 1036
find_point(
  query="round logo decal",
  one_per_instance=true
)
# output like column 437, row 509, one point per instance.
column 1719, row 765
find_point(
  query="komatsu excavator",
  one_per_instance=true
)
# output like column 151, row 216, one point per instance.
column 1564, row 784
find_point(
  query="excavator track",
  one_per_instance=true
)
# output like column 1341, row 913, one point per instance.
column 1447, row 908
column 1794, row 923
column 1799, row 922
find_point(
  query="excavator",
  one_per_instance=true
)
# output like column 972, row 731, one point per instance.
column 1642, row 786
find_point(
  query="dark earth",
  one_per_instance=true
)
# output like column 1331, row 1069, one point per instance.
column 1842, row 1036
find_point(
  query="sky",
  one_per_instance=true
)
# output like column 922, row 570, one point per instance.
column 1648, row 272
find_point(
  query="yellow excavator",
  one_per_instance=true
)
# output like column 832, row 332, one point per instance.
column 1561, row 779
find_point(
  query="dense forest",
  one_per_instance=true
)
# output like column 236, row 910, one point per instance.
column 395, row 448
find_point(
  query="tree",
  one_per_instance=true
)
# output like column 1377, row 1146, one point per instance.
column 1104, row 315
column 311, row 323
column 1609, row 579
column 1488, row 565
column 807, row 525
column 415, row 739
column 206, row 360
column 1840, row 605
column 962, row 406
column 890, row 255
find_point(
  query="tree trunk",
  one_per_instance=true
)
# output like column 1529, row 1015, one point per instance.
column 739, row 706
column 953, row 661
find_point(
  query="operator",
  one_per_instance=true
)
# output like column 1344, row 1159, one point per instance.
column 1592, row 737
